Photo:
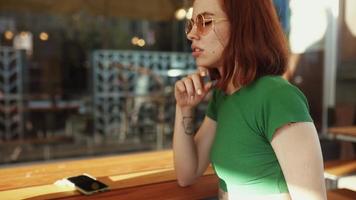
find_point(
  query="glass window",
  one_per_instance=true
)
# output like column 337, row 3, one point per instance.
column 88, row 79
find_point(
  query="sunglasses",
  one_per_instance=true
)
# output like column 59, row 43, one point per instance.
column 204, row 24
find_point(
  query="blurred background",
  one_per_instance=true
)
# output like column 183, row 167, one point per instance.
column 90, row 78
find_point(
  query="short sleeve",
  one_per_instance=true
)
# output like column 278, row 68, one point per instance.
column 222, row 185
column 287, row 104
column 212, row 106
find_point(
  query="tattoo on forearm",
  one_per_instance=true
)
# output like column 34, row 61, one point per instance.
column 188, row 125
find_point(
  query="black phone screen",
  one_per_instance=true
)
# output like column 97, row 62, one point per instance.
column 87, row 184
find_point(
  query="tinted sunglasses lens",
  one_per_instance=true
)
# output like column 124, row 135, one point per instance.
column 200, row 23
column 188, row 26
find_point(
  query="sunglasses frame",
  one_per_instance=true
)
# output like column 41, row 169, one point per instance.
column 193, row 23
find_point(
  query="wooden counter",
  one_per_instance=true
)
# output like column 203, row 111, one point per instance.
column 148, row 176
column 341, row 194
column 347, row 133
column 151, row 174
column 339, row 168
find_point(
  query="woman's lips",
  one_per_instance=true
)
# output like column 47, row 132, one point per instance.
column 197, row 52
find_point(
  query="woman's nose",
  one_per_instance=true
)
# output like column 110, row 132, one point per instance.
column 193, row 33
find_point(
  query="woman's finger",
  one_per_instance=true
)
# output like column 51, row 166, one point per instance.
column 197, row 83
column 180, row 86
column 208, row 86
column 188, row 83
column 202, row 71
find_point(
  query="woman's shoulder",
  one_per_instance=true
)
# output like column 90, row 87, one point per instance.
column 269, row 86
column 274, row 87
column 273, row 84
column 270, row 81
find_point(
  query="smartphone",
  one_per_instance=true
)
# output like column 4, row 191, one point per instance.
column 87, row 185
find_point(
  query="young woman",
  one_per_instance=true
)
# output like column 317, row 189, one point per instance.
column 257, row 132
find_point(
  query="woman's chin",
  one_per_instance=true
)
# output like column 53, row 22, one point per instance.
column 205, row 64
column 201, row 63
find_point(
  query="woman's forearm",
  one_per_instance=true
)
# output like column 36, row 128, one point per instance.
column 184, row 148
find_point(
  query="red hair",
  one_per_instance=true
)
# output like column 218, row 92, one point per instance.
column 257, row 43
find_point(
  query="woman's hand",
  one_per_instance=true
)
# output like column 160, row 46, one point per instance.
column 191, row 90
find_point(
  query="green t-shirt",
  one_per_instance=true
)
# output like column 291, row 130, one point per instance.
column 242, row 155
